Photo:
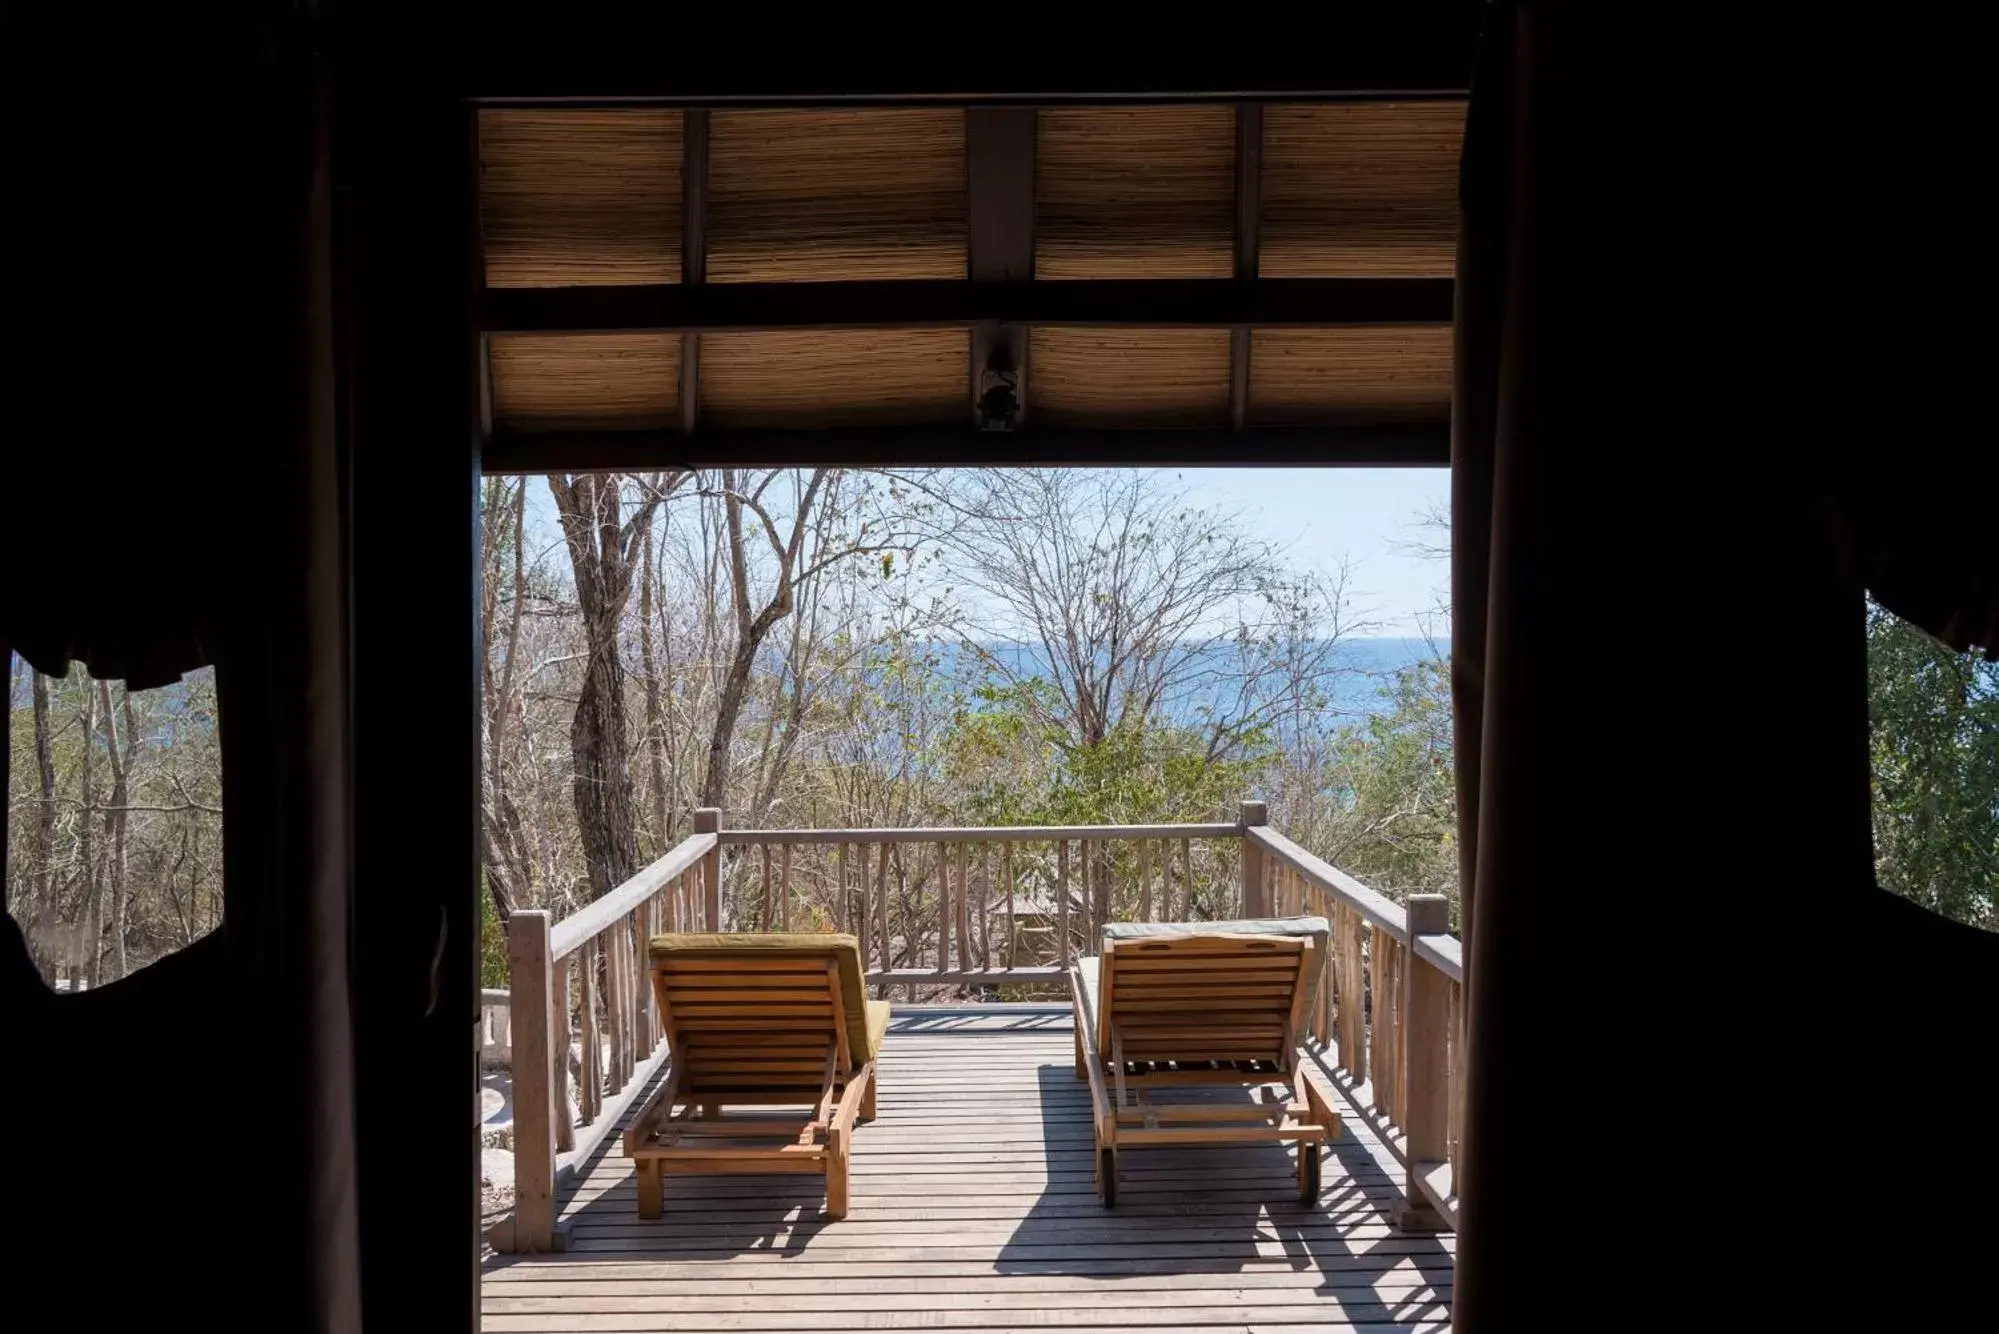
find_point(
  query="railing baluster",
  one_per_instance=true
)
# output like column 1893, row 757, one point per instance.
column 840, row 893
column 979, row 894
column 1092, row 875
column 864, row 922
column 1012, row 936
column 769, row 918
column 1381, row 1029
column 565, row 1124
column 1326, row 978
column 1062, row 898
column 1144, row 880
column 943, row 907
column 641, row 1016
column 1179, row 908
column 888, row 947
column 621, row 1014
column 590, row 1078
column 964, row 914
column 614, row 1004
column 784, row 888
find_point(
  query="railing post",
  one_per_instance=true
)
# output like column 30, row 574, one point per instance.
column 708, row 820
column 529, row 978
column 1426, row 1072
column 1255, row 901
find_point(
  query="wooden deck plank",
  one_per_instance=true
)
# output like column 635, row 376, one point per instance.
column 973, row 1207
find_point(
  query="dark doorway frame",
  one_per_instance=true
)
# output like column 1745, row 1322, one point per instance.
column 415, row 422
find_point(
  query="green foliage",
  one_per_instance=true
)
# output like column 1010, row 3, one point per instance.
column 1397, row 789
column 1935, row 760
column 1014, row 766
column 492, row 945
column 1377, row 798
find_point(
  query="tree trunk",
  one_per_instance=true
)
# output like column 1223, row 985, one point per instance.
column 45, row 817
column 92, row 945
column 655, row 734
column 603, row 779
column 115, row 817
column 734, row 688
column 600, row 554
column 509, row 867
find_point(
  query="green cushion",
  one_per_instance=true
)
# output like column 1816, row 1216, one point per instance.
column 1087, row 981
column 866, row 1020
column 1089, row 968
column 877, row 1025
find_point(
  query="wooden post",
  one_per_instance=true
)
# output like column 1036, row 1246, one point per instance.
column 1255, row 896
column 528, row 985
column 1425, row 1062
column 708, row 820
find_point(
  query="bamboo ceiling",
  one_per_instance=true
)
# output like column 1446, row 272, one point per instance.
column 639, row 199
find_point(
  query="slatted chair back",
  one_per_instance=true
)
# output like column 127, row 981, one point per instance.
column 760, row 1029
column 1196, row 998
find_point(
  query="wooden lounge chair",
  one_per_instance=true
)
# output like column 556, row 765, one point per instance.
column 1208, row 1004
column 763, row 1021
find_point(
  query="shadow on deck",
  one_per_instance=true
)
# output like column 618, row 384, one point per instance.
column 973, row 1206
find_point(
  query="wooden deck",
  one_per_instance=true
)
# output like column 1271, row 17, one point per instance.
column 973, row 1209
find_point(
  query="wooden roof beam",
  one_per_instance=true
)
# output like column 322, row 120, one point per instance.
column 1382, row 445
column 693, row 251
column 946, row 303
column 1248, row 238
column 999, row 248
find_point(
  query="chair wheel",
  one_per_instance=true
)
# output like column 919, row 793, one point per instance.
column 1308, row 1174
column 1107, row 1177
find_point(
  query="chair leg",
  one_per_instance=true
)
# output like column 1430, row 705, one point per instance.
column 652, row 1192
column 868, row 1099
column 836, row 1179
column 1081, row 1073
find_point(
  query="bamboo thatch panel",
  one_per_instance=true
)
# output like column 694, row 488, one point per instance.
column 835, row 377
column 826, row 195
column 1368, row 188
column 1135, row 192
column 1360, row 373
column 1128, row 377
column 583, row 382
column 568, row 198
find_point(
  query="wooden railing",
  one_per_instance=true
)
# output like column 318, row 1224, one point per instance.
column 1002, row 910
column 578, row 992
column 1391, row 1010
column 938, row 910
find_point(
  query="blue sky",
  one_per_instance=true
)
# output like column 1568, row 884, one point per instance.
column 1364, row 514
